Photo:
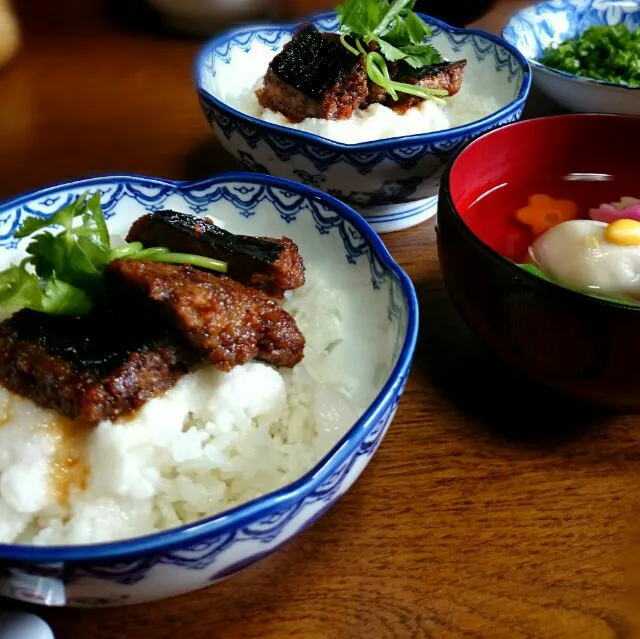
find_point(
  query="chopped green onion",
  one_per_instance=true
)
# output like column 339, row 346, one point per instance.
column 194, row 260
column 609, row 53
column 346, row 45
column 421, row 92
column 379, row 73
column 150, row 253
column 125, row 250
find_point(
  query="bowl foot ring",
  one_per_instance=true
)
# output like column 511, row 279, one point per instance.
column 397, row 217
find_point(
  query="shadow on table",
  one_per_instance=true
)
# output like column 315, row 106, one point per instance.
column 469, row 376
column 139, row 16
column 208, row 159
column 540, row 106
column 239, row 601
column 136, row 16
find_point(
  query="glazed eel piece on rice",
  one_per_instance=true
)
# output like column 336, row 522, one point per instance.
column 315, row 76
column 152, row 324
column 269, row 264
column 227, row 322
column 447, row 76
column 95, row 367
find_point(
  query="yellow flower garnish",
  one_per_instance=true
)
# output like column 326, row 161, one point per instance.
column 623, row 232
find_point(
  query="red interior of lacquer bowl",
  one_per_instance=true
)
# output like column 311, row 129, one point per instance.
column 590, row 159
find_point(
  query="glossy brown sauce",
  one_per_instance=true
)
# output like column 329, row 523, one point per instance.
column 69, row 467
column 6, row 414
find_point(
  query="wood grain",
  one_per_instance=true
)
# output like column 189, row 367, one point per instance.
column 492, row 509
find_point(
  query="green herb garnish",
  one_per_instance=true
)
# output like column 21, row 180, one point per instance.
column 399, row 34
column 609, row 53
column 63, row 272
column 534, row 270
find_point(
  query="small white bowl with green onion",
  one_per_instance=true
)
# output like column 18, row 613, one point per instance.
column 585, row 54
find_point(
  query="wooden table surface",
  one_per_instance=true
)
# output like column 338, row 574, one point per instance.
column 474, row 519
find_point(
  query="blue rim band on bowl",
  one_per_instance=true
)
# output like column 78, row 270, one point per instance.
column 580, row 78
column 288, row 495
column 434, row 136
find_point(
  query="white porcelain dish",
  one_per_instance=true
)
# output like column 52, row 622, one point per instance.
column 392, row 182
column 378, row 295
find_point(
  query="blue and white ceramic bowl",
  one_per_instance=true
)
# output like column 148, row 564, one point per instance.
column 332, row 238
column 392, row 182
column 535, row 28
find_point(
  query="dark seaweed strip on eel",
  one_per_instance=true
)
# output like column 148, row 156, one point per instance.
column 314, row 76
column 272, row 265
column 100, row 366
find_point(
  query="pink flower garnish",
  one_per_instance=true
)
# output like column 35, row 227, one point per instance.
column 628, row 209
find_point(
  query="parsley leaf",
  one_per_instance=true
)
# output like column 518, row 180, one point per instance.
column 60, row 298
column 391, row 14
column 399, row 34
column 64, row 217
column 391, row 53
column 19, row 289
column 375, row 12
column 417, row 28
column 63, row 272
column 354, row 16
column 78, row 254
column 421, row 55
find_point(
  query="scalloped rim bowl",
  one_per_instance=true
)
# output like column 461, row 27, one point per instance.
column 435, row 136
column 347, row 170
column 533, row 28
column 253, row 201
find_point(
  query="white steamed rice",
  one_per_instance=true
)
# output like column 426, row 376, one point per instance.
column 214, row 441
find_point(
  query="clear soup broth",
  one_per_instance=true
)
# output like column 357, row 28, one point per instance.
column 492, row 215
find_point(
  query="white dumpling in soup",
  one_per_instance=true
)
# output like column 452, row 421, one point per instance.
column 578, row 255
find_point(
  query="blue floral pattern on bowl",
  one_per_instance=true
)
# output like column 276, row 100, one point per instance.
column 549, row 23
column 196, row 555
column 364, row 175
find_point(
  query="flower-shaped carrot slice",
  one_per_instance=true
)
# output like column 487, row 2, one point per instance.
column 543, row 212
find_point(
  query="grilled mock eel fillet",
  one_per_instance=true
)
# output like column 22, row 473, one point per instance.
column 269, row 264
column 446, row 76
column 100, row 366
column 227, row 322
column 155, row 321
column 314, row 76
